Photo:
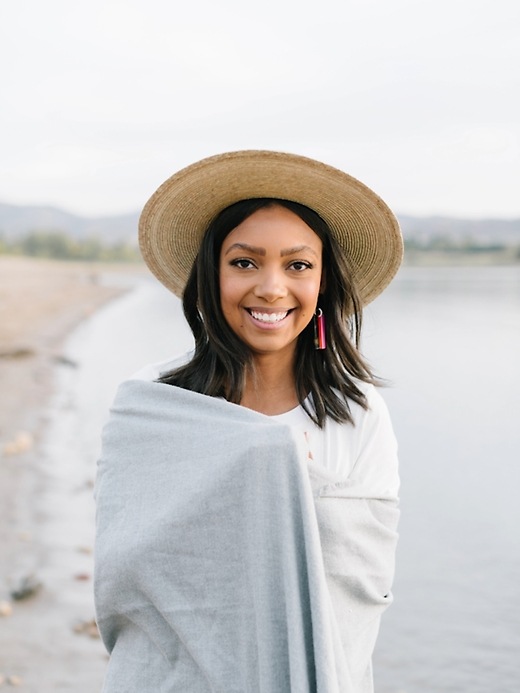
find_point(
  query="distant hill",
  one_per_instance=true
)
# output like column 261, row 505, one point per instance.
column 17, row 221
column 480, row 232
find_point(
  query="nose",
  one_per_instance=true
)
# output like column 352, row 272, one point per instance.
column 270, row 286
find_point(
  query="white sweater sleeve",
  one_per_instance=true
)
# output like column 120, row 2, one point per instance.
column 358, row 518
column 376, row 463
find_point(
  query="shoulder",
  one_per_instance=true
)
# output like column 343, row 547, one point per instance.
column 373, row 443
column 152, row 371
column 374, row 422
column 375, row 411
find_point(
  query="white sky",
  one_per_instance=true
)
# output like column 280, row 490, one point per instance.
column 420, row 99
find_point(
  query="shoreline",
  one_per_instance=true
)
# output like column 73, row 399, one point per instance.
column 41, row 303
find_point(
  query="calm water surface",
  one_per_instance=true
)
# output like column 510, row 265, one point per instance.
column 448, row 339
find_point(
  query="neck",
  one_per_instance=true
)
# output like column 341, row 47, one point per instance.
column 270, row 388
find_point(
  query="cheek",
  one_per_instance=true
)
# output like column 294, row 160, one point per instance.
column 224, row 287
column 310, row 297
column 308, row 302
column 229, row 294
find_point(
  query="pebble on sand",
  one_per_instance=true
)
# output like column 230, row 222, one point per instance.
column 87, row 628
column 14, row 680
column 28, row 586
column 22, row 442
column 85, row 549
column 6, row 608
column 24, row 535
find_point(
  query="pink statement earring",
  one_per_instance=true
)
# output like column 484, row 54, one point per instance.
column 320, row 341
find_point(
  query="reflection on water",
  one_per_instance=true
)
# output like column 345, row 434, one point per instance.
column 448, row 339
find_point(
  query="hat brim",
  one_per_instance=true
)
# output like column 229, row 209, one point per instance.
column 177, row 215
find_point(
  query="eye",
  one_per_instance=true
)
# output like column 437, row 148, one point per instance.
column 242, row 263
column 300, row 265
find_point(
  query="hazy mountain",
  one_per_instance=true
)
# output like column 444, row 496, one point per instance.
column 17, row 220
column 479, row 231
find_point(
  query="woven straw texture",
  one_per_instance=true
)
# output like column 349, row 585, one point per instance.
column 175, row 218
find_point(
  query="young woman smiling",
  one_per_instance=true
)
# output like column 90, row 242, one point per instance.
column 247, row 492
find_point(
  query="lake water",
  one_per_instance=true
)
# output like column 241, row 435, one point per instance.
column 448, row 339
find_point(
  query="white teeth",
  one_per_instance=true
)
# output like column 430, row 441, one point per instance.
column 268, row 317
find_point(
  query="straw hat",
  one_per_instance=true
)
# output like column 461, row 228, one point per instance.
column 175, row 218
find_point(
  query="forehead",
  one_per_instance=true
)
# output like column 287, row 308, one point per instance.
column 274, row 226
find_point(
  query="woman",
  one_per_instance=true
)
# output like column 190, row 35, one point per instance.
column 247, row 492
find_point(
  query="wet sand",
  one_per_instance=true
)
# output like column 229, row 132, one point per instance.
column 47, row 639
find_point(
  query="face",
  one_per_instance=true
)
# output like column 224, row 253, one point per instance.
column 270, row 278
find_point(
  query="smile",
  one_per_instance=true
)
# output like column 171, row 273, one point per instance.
column 268, row 317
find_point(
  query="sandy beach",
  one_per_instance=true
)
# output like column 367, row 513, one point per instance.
column 47, row 639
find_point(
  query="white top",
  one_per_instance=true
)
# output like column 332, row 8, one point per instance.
column 369, row 442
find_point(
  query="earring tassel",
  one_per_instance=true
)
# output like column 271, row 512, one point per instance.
column 320, row 341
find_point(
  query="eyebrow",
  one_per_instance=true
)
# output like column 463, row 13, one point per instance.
column 261, row 251
column 245, row 246
column 297, row 249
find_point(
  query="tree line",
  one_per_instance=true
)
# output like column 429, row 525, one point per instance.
column 446, row 244
column 58, row 245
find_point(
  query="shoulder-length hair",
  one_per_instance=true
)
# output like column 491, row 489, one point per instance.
column 220, row 361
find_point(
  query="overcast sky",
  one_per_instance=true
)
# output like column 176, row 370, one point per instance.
column 103, row 100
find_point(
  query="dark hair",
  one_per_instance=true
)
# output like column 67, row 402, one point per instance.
column 220, row 360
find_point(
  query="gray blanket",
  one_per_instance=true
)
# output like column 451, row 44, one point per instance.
column 226, row 562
